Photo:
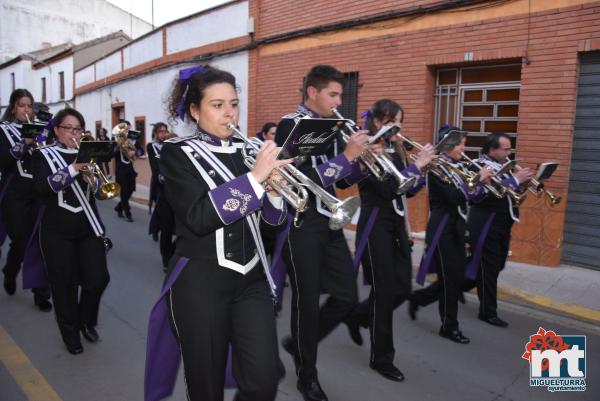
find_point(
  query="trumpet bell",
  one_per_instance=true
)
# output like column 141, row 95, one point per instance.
column 343, row 212
column 109, row 190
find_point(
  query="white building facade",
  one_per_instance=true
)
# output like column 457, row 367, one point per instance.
column 31, row 25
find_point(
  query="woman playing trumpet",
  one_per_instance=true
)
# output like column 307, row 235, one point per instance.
column 382, row 242
column 71, row 233
column 218, row 281
column 18, row 203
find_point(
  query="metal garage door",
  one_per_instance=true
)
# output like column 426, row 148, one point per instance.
column 582, row 225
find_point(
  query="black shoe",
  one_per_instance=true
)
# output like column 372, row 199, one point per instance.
column 75, row 349
column 119, row 211
column 129, row 218
column 10, row 284
column 90, row 333
column 354, row 329
column 454, row 335
column 493, row 320
column 461, row 298
column 45, row 305
column 389, row 371
column 412, row 308
column 311, row 391
column 288, row 345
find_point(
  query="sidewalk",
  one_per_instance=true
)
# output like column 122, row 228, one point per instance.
column 568, row 290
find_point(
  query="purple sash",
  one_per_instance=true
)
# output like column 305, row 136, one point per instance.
column 473, row 266
column 2, row 193
column 34, row 272
column 162, row 350
column 364, row 238
column 428, row 257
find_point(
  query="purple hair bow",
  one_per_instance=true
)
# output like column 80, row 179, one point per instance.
column 184, row 75
column 366, row 116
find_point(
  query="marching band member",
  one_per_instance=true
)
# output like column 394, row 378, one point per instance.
column 162, row 219
column 382, row 241
column 490, row 222
column 267, row 132
column 217, row 286
column 445, row 236
column 71, row 233
column 18, row 202
column 125, row 173
column 103, row 136
column 317, row 257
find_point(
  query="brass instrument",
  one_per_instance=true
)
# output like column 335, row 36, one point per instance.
column 108, row 189
column 380, row 166
column 295, row 193
column 498, row 193
column 119, row 133
column 536, row 187
column 433, row 166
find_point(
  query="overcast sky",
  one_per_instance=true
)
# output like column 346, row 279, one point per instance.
column 164, row 10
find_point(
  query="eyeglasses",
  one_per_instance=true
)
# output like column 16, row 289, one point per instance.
column 68, row 128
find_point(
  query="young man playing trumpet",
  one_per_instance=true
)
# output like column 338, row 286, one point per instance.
column 317, row 257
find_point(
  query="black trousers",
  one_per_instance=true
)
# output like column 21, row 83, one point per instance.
column 74, row 258
column 19, row 214
column 213, row 307
column 166, row 222
column 318, row 261
column 127, row 183
column 387, row 262
column 493, row 258
column 450, row 261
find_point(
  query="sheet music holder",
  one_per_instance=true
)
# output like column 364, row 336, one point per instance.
column 506, row 167
column 32, row 130
column 100, row 151
column 310, row 137
column 545, row 170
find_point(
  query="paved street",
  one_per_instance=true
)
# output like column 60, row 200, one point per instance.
column 490, row 368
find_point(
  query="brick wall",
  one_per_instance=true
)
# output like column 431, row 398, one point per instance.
column 401, row 65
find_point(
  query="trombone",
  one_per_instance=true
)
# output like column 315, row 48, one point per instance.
column 108, row 189
column 295, row 192
column 536, row 187
column 380, row 166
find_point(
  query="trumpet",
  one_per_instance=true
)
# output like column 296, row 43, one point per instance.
column 475, row 178
column 536, row 187
column 108, row 189
column 380, row 166
column 433, row 166
column 295, row 192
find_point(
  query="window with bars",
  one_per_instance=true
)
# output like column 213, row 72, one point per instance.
column 61, row 80
column 350, row 95
column 44, row 90
column 480, row 100
column 140, row 125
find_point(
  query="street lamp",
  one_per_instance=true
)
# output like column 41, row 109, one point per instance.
column 32, row 56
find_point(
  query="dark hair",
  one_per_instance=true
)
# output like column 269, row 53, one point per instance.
column 492, row 141
column 453, row 137
column 267, row 127
column 14, row 98
column 103, row 131
column 191, row 90
column 158, row 126
column 383, row 110
column 320, row 76
column 64, row 113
